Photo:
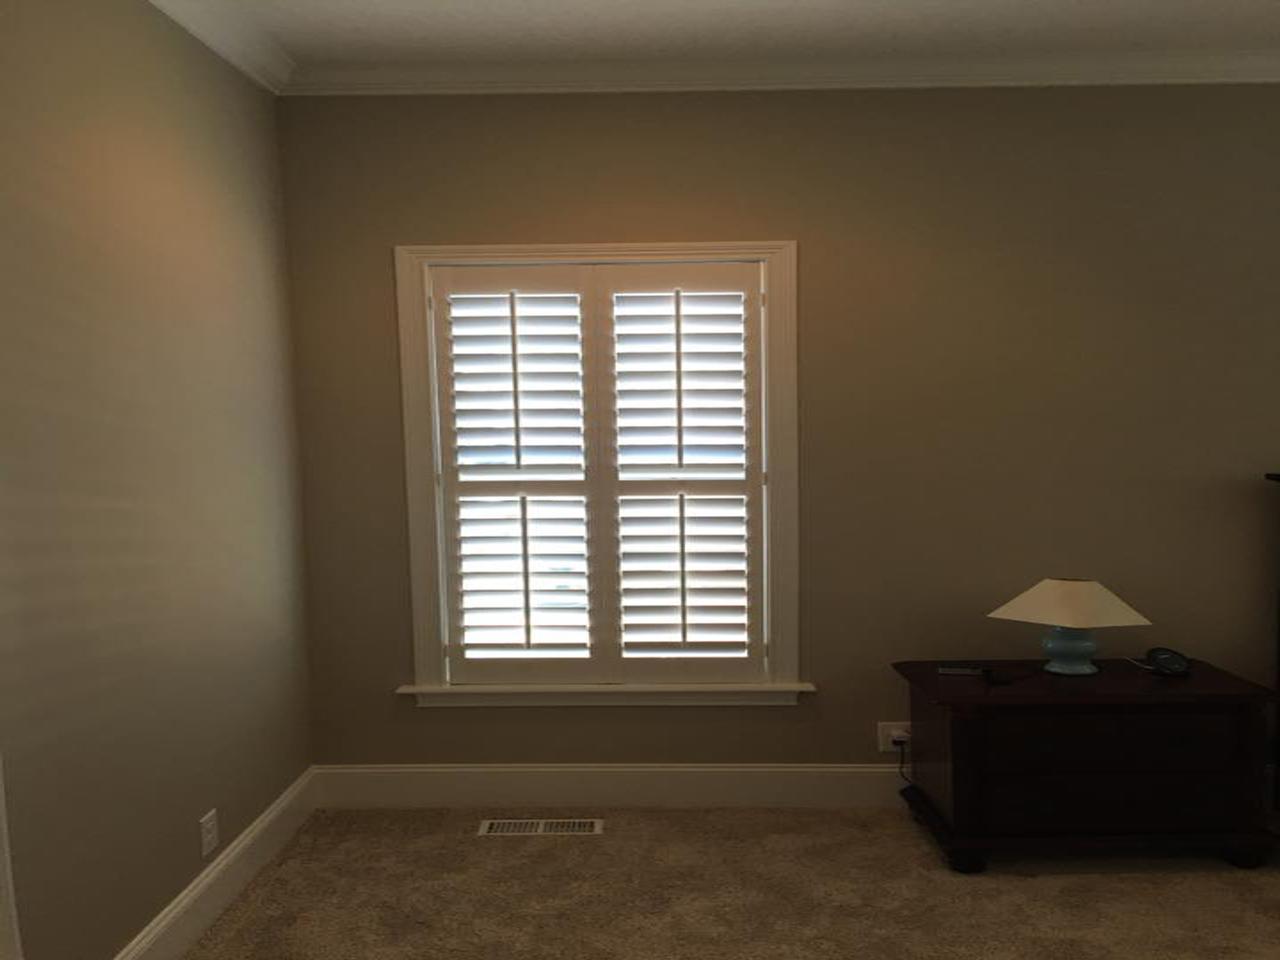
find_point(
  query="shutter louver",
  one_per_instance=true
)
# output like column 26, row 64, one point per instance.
column 523, row 577
column 517, row 386
column 681, row 385
column 684, row 576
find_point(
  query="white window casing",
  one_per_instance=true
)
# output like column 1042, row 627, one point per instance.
column 600, row 455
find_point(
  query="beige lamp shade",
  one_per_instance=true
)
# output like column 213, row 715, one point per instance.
column 1080, row 604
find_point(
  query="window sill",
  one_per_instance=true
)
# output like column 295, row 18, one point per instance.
column 609, row 694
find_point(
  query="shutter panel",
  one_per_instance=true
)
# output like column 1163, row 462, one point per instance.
column 649, row 366
column 681, row 385
column 522, row 577
column 517, row 386
column 684, row 576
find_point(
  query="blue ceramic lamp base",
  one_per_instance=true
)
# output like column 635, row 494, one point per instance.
column 1070, row 651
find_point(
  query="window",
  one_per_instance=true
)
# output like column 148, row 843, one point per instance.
column 600, row 449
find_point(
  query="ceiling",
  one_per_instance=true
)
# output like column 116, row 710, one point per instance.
column 467, row 46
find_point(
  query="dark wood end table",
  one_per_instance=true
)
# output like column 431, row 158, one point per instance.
column 1021, row 760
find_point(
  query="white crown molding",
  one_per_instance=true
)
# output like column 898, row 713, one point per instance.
column 235, row 38
column 661, row 77
column 243, row 42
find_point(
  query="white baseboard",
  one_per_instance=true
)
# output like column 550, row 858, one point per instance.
column 606, row 784
column 182, row 922
column 177, row 927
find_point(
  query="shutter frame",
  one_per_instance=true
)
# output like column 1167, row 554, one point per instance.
column 521, row 485
column 773, row 261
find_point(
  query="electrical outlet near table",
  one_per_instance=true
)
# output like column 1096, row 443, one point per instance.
column 889, row 730
column 209, row 832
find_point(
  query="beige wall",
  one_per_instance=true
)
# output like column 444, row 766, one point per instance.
column 1037, row 337
column 151, row 664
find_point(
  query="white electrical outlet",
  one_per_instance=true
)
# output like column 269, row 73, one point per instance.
column 888, row 730
column 209, row 832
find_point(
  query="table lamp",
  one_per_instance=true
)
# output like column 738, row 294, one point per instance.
column 1071, row 609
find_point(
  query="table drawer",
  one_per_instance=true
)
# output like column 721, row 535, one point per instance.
column 1101, row 741
column 1111, row 804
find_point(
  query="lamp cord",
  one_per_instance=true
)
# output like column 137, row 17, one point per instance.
column 902, row 761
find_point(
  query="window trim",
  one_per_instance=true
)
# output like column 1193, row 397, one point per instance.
column 421, row 441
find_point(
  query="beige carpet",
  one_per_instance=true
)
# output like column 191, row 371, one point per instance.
column 722, row 885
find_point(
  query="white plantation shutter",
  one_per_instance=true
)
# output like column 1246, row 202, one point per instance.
column 600, row 471
column 513, row 514
column 681, row 381
column 517, row 380
column 684, row 576
column 688, row 487
column 523, row 572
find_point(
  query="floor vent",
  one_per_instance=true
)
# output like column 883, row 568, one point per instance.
column 544, row 828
